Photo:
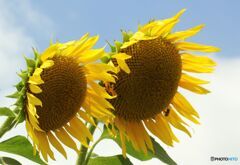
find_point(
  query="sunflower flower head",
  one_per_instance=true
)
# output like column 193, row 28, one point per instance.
column 60, row 91
column 148, row 98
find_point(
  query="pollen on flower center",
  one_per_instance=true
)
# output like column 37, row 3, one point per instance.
column 149, row 88
column 63, row 92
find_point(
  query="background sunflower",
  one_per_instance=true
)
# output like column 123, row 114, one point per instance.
column 148, row 97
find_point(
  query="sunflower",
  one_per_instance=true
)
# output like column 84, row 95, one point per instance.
column 148, row 99
column 60, row 91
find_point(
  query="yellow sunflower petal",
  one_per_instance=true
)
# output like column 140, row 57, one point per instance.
column 97, row 111
column 77, row 134
column 32, row 109
column 100, row 90
column 74, row 48
column 189, row 79
column 196, row 47
column 187, row 112
column 160, row 24
column 136, row 130
column 200, row 60
column 56, row 144
column 63, row 136
column 100, row 68
column 37, row 80
column 86, row 46
column 32, row 136
column 196, row 68
column 34, row 122
column 121, row 57
column 35, row 89
column 182, row 35
column 91, row 55
column 165, row 29
column 44, row 144
column 33, row 99
column 99, row 99
column 193, row 87
column 177, row 122
column 103, row 76
column 86, row 117
column 50, row 52
column 160, row 130
column 37, row 72
column 47, row 64
column 77, row 123
column 182, row 102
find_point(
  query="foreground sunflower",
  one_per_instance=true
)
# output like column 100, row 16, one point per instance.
column 59, row 91
column 148, row 99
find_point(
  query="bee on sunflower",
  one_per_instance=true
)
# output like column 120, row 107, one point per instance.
column 59, row 91
column 148, row 97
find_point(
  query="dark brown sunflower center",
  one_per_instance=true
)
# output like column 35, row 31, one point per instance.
column 63, row 92
column 149, row 88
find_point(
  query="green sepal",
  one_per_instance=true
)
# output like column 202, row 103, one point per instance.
column 126, row 35
column 118, row 45
column 14, row 95
column 113, row 48
column 23, row 75
column 20, row 117
column 19, row 101
column 30, row 62
column 36, row 54
column 106, row 59
column 19, row 85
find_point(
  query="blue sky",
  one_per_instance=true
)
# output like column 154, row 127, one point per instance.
column 71, row 20
column 25, row 23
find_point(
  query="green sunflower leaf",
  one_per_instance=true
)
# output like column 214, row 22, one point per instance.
column 159, row 153
column 4, row 111
column 110, row 160
column 7, row 160
column 20, row 145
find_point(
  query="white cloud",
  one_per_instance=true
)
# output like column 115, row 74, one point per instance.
column 15, row 20
column 218, row 135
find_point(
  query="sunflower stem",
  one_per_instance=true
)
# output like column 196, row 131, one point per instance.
column 91, row 150
column 83, row 150
column 8, row 124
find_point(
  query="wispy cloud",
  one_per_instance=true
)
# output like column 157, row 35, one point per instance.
column 16, row 18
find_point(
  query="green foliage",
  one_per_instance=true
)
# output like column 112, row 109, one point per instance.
column 111, row 160
column 10, row 161
column 4, row 111
column 20, row 145
column 20, row 94
column 159, row 153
